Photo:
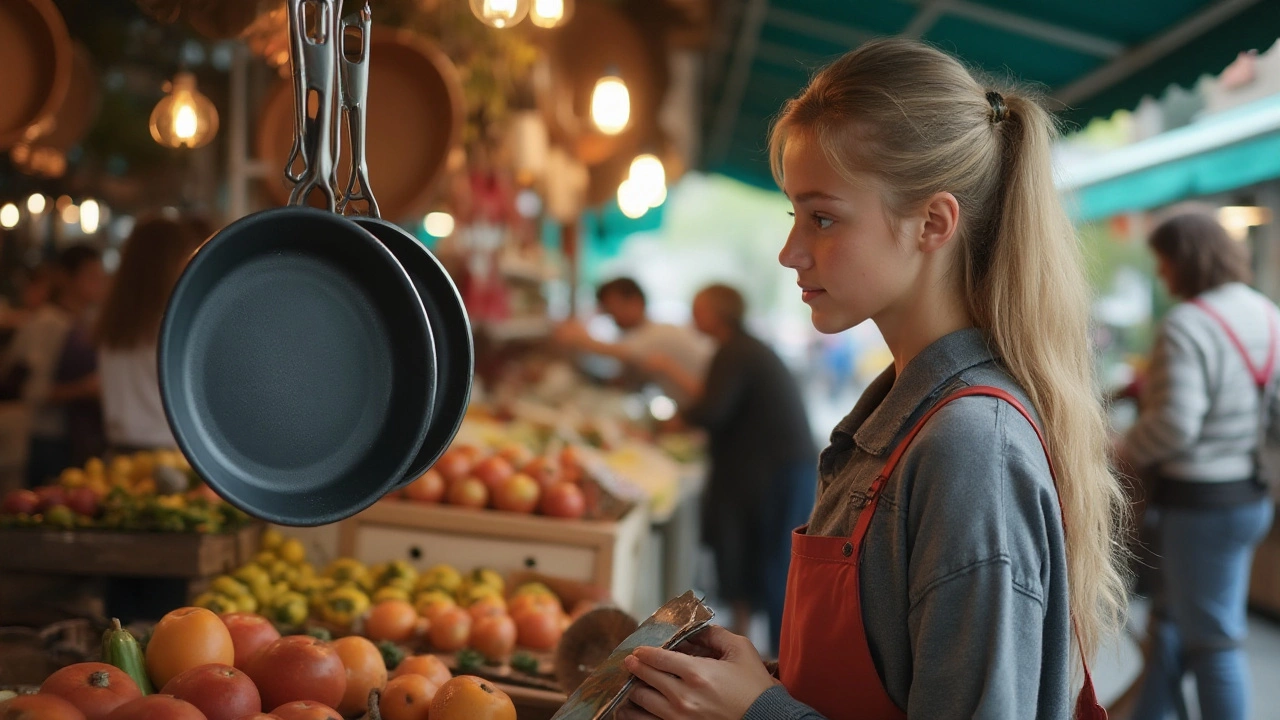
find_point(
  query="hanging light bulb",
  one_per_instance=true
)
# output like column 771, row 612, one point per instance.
column 90, row 215
column 611, row 105
column 71, row 214
column 184, row 118
column 648, row 170
column 36, row 203
column 633, row 201
column 500, row 13
column 9, row 216
column 550, row 13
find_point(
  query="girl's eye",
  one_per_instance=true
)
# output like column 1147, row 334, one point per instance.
column 822, row 222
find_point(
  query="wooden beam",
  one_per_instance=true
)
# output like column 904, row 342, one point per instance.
column 1151, row 51
column 736, row 83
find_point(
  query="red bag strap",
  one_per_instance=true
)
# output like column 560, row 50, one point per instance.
column 1260, row 374
column 1087, row 705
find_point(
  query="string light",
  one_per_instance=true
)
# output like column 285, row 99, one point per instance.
column 438, row 224
column 36, row 203
column 90, row 215
column 9, row 216
column 611, row 105
column 500, row 13
column 550, row 13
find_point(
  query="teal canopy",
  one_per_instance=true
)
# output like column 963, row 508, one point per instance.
column 1092, row 56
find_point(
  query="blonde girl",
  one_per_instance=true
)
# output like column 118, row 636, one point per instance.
column 961, row 558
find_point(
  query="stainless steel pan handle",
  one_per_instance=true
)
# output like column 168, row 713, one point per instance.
column 354, row 87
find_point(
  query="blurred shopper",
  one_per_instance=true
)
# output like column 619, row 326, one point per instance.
column 763, row 462
column 76, row 378
column 43, row 361
column 1212, row 374
column 624, row 301
column 129, row 329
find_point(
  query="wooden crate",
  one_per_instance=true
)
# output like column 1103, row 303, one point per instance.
column 126, row 554
column 606, row 554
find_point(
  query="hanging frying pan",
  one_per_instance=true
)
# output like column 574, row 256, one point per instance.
column 421, row 121
column 35, row 52
column 451, row 329
column 297, row 366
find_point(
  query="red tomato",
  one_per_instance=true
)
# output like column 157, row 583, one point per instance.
column 544, row 470
column 221, row 692
column 455, row 464
column 250, row 633
column 516, row 454
column 519, row 494
column 94, row 688
column 83, row 501
column 468, row 492
column 39, row 707
column 428, row 488
column 493, row 471
column 157, row 707
column 21, row 502
column 298, row 667
column 564, row 501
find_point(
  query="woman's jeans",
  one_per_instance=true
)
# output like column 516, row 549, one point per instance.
column 1205, row 559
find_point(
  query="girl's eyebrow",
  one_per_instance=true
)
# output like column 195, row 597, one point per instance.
column 814, row 195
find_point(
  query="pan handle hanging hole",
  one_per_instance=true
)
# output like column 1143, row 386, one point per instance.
column 415, row 553
column 531, row 562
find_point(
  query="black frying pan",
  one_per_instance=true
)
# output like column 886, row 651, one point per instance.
column 451, row 329
column 297, row 365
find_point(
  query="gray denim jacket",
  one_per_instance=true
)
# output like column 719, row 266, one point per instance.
column 964, row 576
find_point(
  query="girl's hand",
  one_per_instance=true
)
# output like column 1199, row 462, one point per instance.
column 717, row 677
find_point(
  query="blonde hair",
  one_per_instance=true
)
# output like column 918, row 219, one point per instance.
column 917, row 122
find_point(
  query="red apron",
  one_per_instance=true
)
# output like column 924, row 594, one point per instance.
column 824, row 660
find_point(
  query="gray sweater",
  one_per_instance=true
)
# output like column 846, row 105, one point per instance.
column 964, row 576
column 1199, row 419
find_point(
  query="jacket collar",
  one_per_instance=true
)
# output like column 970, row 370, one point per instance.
column 889, row 403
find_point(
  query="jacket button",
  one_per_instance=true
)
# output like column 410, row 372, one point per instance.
column 847, row 549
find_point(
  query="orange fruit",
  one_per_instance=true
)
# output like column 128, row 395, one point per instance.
column 393, row 620
column 451, row 630
column 407, row 697
column 539, row 630
column 186, row 638
column 533, row 601
column 366, row 670
column 468, row 697
column 494, row 637
column 486, row 606
column 428, row 666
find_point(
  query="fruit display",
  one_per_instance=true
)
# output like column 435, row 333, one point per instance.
column 440, row 609
column 295, row 677
column 146, row 491
column 510, row 478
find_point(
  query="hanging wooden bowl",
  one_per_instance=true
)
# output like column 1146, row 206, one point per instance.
column 597, row 40
column 416, row 117
column 79, row 111
column 36, row 57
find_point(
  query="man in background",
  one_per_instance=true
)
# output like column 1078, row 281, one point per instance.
column 641, row 339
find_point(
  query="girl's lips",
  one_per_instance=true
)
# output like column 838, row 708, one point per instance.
column 808, row 295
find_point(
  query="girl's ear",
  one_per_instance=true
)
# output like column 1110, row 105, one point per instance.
column 941, row 214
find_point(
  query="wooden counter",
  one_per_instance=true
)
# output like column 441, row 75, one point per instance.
column 601, row 553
